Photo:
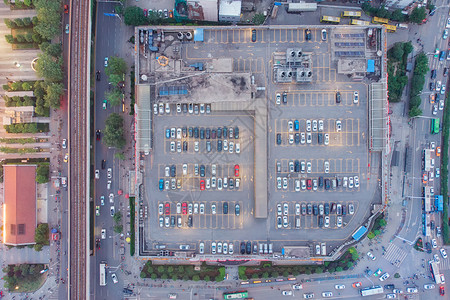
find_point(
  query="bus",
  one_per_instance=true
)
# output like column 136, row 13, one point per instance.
column 359, row 22
column 328, row 19
column 369, row 291
column 435, row 126
column 235, row 295
column 391, row 28
column 434, row 269
column 351, row 14
column 103, row 273
column 377, row 20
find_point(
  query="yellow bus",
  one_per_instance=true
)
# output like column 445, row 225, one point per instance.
column 351, row 14
column 328, row 19
column 359, row 22
column 377, row 20
column 391, row 28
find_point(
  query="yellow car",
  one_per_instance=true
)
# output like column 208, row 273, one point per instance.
column 66, row 158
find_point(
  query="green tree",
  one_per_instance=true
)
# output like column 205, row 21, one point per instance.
column 54, row 50
column 154, row 276
column 119, row 155
column 415, row 111
column 19, row 22
column 27, row 2
column 9, row 23
column 114, row 97
column 49, row 68
column 195, row 278
column 164, row 276
column 9, row 38
column 113, row 134
column 117, row 217
column 161, row 269
column 42, row 173
column 255, row 275
column 115, row 79
column 170, row 269
column 27, row 22
column 258, row 19
column 339, row 269
column 116, row 65
column 319, row 270
column 134, row 15
column 34, row 20
column 174, row 277
column 421, row 66
column 397, row 15
column 118, row 228
column 207, row 278
column 49, row 18
column 382, row 222
column 26, row 86
column 407, row 48
column 42, row 234
column 418, row 14
column 54, row 93
column 396, row 52
column 180, row 269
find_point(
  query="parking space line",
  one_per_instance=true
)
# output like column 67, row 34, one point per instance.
column 272, row 39
column 285, row 40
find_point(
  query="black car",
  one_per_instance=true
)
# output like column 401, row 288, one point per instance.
column 190, row 221
column 97, row 75
column 127, row 291
column 428, row 247
column 431, row 86
column 320, row 221
column 202, row 133
column 196, row 132
column 191, row 132
column 185, row 146
column 307, row 34
column 315, row 210
column 219, row 145
column 433, row 74
column 202, row 171
column 103, row 164
column 338, row 97
column 173, row 170
column 432, row 225
column 309, row 208
column 297, row 138
column 225, row 208
column 98, row 134
column 242, row 247
column 344, row 209
column 327, row 208
column 249, row 248
column 225, row 132
column 303, row 209
column 253, row 35
column 296, row 166
column 172, row 221
column 236, row 132
column 445, row 72
column 327, row 184
column 437, row 97
column 320, row 138
column 213, row 134
column 231, row 183
column 237, row 210
column 278, row 138
column 320, row 181
column 208, row 133
column 219, row 133
column 284, row 98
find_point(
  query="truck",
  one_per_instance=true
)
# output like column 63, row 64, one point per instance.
column 300, row 7
column 275, row 11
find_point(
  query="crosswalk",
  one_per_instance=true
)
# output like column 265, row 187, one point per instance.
column 444, row 264
column 394, row 255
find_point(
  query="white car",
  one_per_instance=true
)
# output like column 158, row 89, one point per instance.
column 308, row 138
column 285, row 209
column 195, row 208
column 213, row 209
column 286, row 293
column 279, row 183
column 314, row 125
column 97, row 174
column 202, row 248
column 111, row 198
column 350, row 182
column 213, row 247
column 178, row 107
column 178, row 208
column 384, row 276
column 230, row 248
column 219, row 247
column 356, row 178
column 327, row 221
column 443, row 253
column 225, row 248
column 355, row 97
column 339, row 286
column 190, row 208
column 434, row 243
column 103, row 234
column 320, row 125
column 278, row 99
column 285, row 183
column 297, row 287
column 114, row 278
column 161, row 221
column 297, row 208
column 327, row 294
column 351, row 209
column 308, row 167
column 371, row 256
column 429, row 286
column 326, row 166
column 285, row 221
column 339, row 221
column 448, row 23
column 291, row 139
column 290, row 126
column 436, row 258
column 106, row 59
column 108, row 184
column 438, row 86
column 196, row 148
column 231, row 147
column 64, row 144
column 327, row 139
column 167, row 108
column 308, row 125
column 161, row 108
column 109, row 173
column 185, row 169
column 202, row 209
column 338, row 125
column 237, row 147
column 172, row 146
column 279, row 211
column 412, row 290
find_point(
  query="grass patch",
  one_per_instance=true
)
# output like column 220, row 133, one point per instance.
column 132, row 234
column 23, row 46
column 18, row 150
column 444, row 171
column 180, row 272
column 19, row 141
column 27, row 128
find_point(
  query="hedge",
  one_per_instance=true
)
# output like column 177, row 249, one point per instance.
column 183, row 272
column 132, row 234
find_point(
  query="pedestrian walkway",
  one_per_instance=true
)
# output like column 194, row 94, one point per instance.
column 444, row 264
column 394, row 255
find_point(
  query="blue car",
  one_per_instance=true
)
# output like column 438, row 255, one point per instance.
column 161, row 184
column 167, row 133
column 296, row 125
column 442, row 55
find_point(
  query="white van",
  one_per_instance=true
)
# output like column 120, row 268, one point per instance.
column 297, row 222
column 324, row 249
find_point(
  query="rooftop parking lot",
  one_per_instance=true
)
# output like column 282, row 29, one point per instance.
column 319, row 170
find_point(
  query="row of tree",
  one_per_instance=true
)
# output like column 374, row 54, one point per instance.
column 41, row 236
column 16, row 101
column 27, row 128
column 21, row 22
column 417, row 15
column 42, row 173
column 113, row 133
column 180, row 272
column 397, row 59
column 118, row 227
column 267, row 270
column 417, row 82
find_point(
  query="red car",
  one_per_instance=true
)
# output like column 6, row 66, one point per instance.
column 202, row 185
column 184, row 208
column 236, row 170
column 356, row 284
column 442, row 291
column 145, row 12
column 66, row 8
column 308, row 184
column 167, row 208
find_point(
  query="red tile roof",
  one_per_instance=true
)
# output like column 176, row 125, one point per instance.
column 20, row 204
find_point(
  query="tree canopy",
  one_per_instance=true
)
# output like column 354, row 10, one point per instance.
column 49, row 18
column 49, row 67
column 134, row 15
column 418, row 15
column 113, row 134
column 114, row 97
column 116, row 65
